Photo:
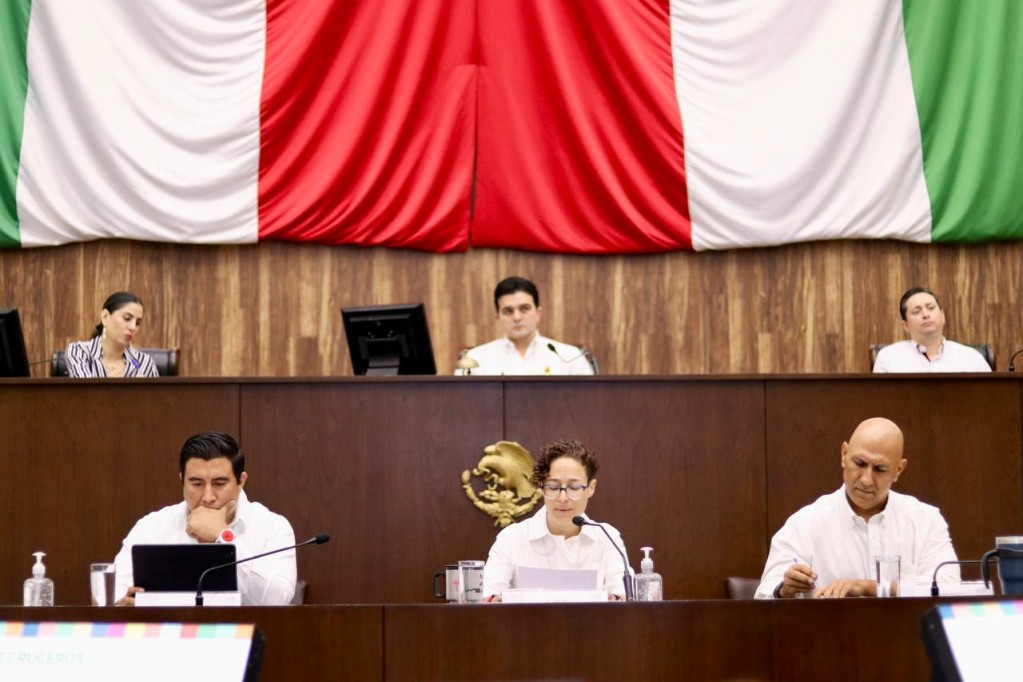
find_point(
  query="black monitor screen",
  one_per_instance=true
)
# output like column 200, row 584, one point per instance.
column 389, row 339
column 13, row 359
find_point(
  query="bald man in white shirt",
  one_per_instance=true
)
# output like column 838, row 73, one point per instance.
column 827, row 548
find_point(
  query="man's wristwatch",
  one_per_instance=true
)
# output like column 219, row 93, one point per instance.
column 777, row 590
column 226, row 535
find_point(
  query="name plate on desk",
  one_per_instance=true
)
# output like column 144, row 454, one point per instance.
column 187, row 599
column 963, row 589
column 552, row 596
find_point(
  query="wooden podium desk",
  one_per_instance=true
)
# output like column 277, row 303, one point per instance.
column 853, row 639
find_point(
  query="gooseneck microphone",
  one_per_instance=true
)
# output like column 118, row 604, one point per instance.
column 317, row 540
column 627, row 577
column 934, row 578
column 583, row 353
column 1012, row 360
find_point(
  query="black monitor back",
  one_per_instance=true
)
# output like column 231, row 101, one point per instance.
column 13, row 358
column 176, row 568
column 389, row 339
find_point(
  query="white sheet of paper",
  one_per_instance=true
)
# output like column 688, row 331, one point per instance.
column 552, row 596
column 527, row 578
column 187, row 599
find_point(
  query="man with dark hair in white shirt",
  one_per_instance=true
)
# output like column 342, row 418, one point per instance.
column 216, row 509
column 926, row 349
column 523, row 350
column 827, row 548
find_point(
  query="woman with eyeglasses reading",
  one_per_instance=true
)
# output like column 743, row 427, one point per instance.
column 567, row 474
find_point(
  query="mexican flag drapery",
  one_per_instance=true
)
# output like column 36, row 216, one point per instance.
column 577, row 126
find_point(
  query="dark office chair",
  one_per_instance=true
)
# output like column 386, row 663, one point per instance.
column 590, row 357
column 985, row 349
column 741, row 588
column 165, row 359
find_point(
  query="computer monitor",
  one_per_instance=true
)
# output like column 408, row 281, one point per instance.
column 13, row 359
column 389, row 339
column 974, row 640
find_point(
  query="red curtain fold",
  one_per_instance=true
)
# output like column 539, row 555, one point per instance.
column 368, row 118
column 580, row 136
column 375, row 116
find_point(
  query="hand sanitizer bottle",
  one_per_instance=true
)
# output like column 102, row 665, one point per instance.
column 39, row 588
column 649, row 586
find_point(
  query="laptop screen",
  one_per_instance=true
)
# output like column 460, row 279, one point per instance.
column 176, row 568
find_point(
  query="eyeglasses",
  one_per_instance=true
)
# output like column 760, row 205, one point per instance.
column 574, row 491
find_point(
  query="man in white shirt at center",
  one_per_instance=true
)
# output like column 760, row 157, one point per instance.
column 523, row 350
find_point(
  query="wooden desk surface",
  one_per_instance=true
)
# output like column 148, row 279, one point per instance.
column 854, row 639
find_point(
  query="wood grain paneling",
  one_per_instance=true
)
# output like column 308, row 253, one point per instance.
column 377, row 465
column 666, row 641
column 272, row 309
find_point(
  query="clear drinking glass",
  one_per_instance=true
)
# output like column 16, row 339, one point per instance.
column 101, row 580
column 887, row 572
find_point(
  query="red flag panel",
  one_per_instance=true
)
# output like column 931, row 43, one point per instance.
column 580, row 137
column 368, row 118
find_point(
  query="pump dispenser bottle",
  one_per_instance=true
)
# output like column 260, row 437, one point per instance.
column 39, row 588
column 649, row 586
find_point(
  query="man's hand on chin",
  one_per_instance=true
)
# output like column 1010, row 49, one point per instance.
column 205, row 523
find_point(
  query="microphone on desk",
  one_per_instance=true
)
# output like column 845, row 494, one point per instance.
column 317, row 540
column 583, row 353
column 934, row 578
column 627, row 577
column 1012, row 360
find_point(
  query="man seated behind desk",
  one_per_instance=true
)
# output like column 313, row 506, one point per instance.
column 927, row 349
column 216, row 509
column 522, row 350
column 827, row 549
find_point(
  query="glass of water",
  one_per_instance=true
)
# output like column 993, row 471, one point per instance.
column 101, row 580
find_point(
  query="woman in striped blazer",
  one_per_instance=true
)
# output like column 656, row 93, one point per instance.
column 109, row 352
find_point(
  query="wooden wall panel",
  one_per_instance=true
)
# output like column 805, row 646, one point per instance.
column 272, row 309
column 377, row 465
column 666, row 641
column 690, row 640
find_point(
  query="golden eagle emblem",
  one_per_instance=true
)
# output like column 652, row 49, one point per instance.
column 505, row 468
